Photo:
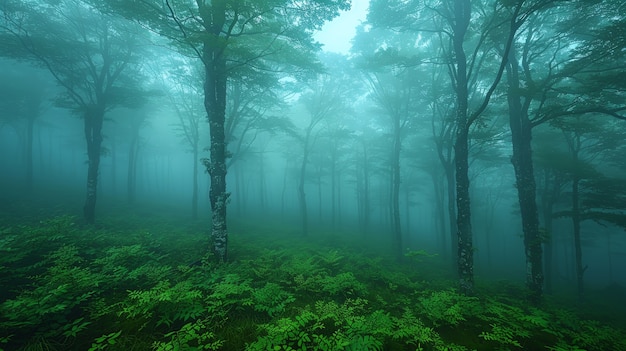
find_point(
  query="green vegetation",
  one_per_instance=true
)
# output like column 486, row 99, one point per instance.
column 130, row 285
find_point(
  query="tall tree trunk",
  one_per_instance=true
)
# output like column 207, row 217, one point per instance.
column 30, row 123
column 132, row 170
column 333, row 187
column 407, row 210
column 215, row 105
column 262, row 184
column 465, row 254
column 577, row 242
column 338, row 195
column 284, row 191
column 521, row 135
column 94, row 116
column 451, row 198
column 440, row 214
column 548, row 197
column 319, row 193
column 302, row 201
column 363, row 191
column 194, row 195
column 238, row 190
column 395, row 190
column 301, row 194
column 578, row 252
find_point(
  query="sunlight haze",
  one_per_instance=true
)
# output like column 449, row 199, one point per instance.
column 336, row 35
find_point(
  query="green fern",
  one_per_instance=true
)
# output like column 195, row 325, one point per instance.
column 271, row 299
column 169, row 303
column 502, row 335
column 448, row 307
column 232, row 292
column 330, row 260
column 105, row 341
column 413, row 331
column 345, row 284
column 192, row 336
column 328, row 327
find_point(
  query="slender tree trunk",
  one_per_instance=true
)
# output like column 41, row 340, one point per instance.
column 113, row 174
column 194, row 195
column 366, row 191
column 395, row 191
column 319, row 193
column 521, row 134
column 465, row 254
column 94, row 117
column 30, row 123
column 284, row 191
column 333, row 187
column 338, row 195
column 440, row 214
column 548, row 251
column 302, row 200
column 301, row 194
column 407, row 210
column 363, row 191
column 451, row 201
column 238, row 190
column 548, row 198
column 578, row 252
column 132, row 171
column 262, row 185
column 215, row 105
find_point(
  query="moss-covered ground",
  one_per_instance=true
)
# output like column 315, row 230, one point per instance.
column 146, row 283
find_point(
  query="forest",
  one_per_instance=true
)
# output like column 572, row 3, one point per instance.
column 207, row 175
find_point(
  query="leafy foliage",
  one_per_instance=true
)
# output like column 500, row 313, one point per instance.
column 448, row 307
column 132, row 291
column 271, row 299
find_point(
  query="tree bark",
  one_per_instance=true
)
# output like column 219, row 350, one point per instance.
column 521, row 135
column 215, row 105
column 304, row 216
column 451, row 200
column 132, row 169
column 194, row 196
column 578, row 252
column 395, row 189
column 548, row 198
column 333, row 186
column 94, row 116
column 440, row 213
column 363, row 190
column 465, row 254
column 30, row 124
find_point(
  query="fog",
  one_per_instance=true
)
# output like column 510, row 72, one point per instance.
column 357, row 142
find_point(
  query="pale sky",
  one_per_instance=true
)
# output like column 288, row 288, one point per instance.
column 336, row 35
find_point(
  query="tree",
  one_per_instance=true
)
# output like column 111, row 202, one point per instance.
column 228, row 37
column 390, row 64
column 539, row 95
column 88, row 54
column 185, row 95
column 461, row 15
column 23, row 95
column 593, row 196
column 322, row 100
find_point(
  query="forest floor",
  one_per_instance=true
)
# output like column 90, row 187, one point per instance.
column 136, row 282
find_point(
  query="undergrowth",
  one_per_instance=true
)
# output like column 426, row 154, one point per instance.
column 151, row 286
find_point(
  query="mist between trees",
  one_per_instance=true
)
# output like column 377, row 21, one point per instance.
column 491, row 133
